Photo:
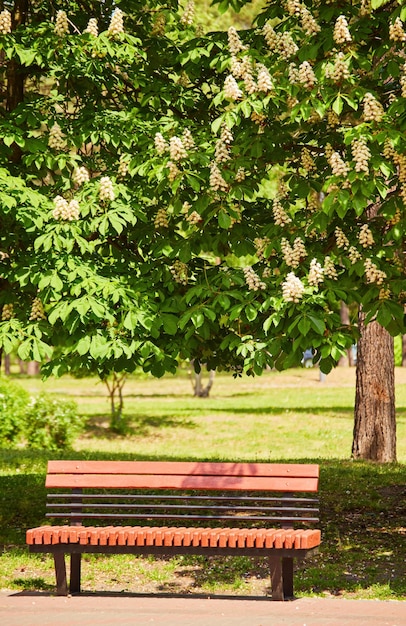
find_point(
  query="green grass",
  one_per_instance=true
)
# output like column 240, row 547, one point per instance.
column 289, row 416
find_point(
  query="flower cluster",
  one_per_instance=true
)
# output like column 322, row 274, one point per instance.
column 61, row 24
column 188, row 14
column 307, row 160
column 360, row 154
column 403, row 81
column 106, row 189
column 161, row 219
column 123, row 165
column 158, row 28
column 396, row 31
column 222, row 149
column 116, row 26
column 341, row 238
column 217, row 182
column 329, row 268
column 280, row 43
column 7, row 312
column 264, row 80
column 64, row 210
column 365, row 236
column 373, row 110
column 338, row 166
column 309, row 24
column 306, row 75
column 92, row 27
column 252, row 279
column 341, row 33
column 37, row 311
column 80, row 175
column 173, row 171
column 365, row 8
column 160, row 144
column 340, row 69
column 316, row 273
column 194, row 218
column 372, row 273
column 293, row 7
column 56, row 138
column 177, row 150
column 235, row 44
column 353, row 254
column 332, row 119
column 293, row 255
column 231, row 88
column 240, row 175
column 280, row 216
column 187, row 139
column 292, row 288
column 179, row 272
column 5, row 22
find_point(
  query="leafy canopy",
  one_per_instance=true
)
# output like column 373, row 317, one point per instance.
column 167, row 194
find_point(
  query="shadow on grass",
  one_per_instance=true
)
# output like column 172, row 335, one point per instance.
column 33, row 584
column 133, row 424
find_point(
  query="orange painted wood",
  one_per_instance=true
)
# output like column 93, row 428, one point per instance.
column 198, row 537
column 220, row 483
column 161, row 468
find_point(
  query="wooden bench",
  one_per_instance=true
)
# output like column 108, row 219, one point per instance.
column 256, row 509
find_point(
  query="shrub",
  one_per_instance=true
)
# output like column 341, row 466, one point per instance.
column 14, row 402
column 52, row 424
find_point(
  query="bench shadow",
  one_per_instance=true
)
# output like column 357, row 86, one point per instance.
column 155, row 595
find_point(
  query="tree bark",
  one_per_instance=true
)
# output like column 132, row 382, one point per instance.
column 374, row 436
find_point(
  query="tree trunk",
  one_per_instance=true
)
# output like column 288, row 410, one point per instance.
column 199, row 390
column 375, row 422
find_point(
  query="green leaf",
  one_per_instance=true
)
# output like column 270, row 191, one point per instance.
column 337, row 105
column 224, row 220
column 251, row 312
column 83, row 345
column 304, row 325
column 170, row 323
column 317, row 324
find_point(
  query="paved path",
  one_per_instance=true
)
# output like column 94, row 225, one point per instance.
column 24, row 609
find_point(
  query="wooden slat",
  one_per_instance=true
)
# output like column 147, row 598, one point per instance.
column 161, row 468
column 145, row 481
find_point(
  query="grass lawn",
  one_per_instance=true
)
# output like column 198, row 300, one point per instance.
column 289, row 416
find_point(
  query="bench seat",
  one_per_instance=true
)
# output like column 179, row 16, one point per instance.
column 261, row 538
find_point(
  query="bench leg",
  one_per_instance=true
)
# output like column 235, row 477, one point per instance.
column 275, row 564
column 75, row 567
column 60, row 574
column 281, row 577
column 287, row 575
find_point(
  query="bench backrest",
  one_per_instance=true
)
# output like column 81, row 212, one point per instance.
column 183, row 491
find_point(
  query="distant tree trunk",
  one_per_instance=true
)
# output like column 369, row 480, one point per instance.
column 348, row 359
column 115, row 386
column 375, row 421
column 199, row 390
column 32, row 368
column 7, row 365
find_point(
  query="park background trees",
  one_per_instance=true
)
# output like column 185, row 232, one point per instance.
column 215, row 197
